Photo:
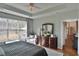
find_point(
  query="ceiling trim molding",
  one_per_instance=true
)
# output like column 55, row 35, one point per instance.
column 54, row 13
column 13, row 13
column 55, row 8
column 49, row 11
column 8, row 7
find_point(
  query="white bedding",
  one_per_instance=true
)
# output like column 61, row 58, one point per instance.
column 12, row 41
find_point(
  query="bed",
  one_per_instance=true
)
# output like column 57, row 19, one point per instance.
column 22, row 48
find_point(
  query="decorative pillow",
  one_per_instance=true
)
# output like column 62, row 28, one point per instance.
column 2, row 53
column 12, row 41
column 31, row 36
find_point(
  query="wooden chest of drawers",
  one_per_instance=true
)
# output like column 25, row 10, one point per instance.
column 50, row 42
column 53, row 42
column 46, row 41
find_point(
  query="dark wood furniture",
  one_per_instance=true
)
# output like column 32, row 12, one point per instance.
column 45, row 41
column 53, row 42
column 49, row 42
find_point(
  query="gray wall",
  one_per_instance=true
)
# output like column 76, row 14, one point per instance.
column 56, row 19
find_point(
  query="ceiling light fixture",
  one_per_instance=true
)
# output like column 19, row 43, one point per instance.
column 32, row 6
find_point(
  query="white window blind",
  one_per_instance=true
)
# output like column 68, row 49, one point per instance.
column 11, row 29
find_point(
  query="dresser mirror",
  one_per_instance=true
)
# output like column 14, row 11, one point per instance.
column 47, row 28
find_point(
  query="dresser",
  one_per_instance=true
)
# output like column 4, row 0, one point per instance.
column 49, row 42
column 45, row 41
column 53, row 42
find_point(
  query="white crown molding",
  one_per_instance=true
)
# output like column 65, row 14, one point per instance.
column 14, row 13
column 65, row 7
column 53, row 13
column 59, row 9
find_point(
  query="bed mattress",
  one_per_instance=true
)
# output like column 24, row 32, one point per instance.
column 22, row 48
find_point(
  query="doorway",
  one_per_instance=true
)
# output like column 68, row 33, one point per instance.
column 70, row 36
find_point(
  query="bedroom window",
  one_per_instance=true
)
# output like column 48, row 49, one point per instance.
column 11, row 29
column 3, row 29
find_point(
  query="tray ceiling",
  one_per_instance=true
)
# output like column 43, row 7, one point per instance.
column 42, row 6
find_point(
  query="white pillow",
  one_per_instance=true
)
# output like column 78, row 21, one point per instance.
column 2, row 53
column 11, row 41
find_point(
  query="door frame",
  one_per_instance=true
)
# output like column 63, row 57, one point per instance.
column 62, row 30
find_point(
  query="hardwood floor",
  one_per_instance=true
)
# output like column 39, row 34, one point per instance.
column 69, row 52
column 66, row 51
